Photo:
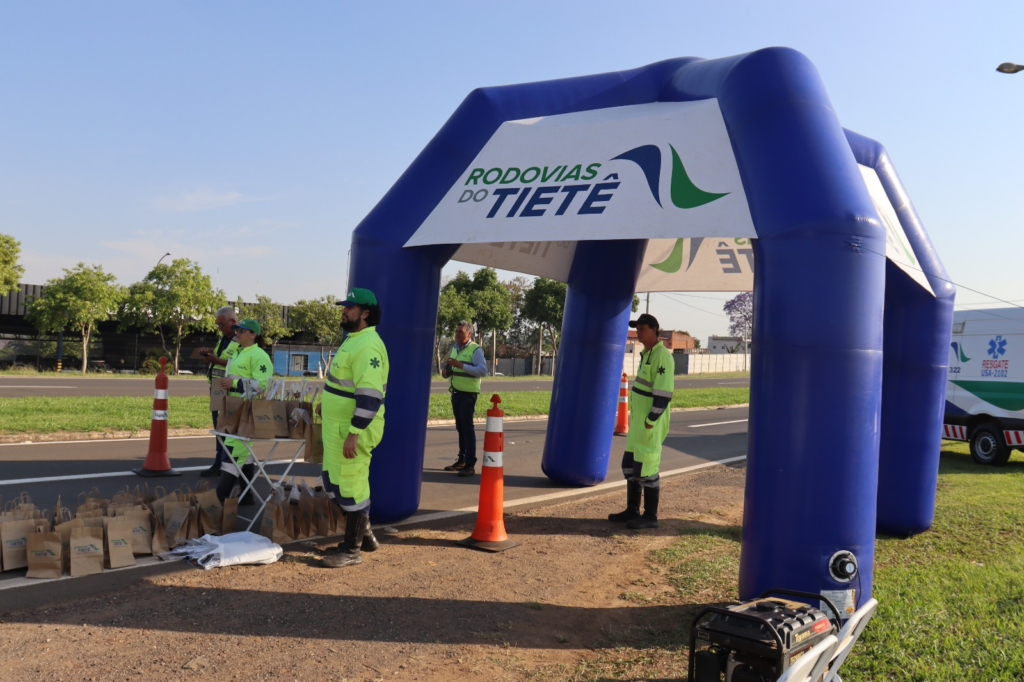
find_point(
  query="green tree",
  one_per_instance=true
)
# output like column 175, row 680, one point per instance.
column 268, row 314
column 492, row 306
column 320, row 320
column 521, row 331
column 452, row 307
column 545, row 305
column 173, row 300
column 11, row 271
column 636, row 303
column 83, row 297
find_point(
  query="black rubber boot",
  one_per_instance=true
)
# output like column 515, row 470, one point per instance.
column 650, row 516
column 633, row 491
column 370, row 543
column 249, row 470
column 356, row 524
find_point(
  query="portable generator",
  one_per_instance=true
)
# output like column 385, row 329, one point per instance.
column 758, row 640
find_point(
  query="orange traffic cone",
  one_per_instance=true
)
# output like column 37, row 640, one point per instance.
column 489, row 533
column 622, row 419
column 157, row 463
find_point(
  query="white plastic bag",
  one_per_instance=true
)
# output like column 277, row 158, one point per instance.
column 217, row 551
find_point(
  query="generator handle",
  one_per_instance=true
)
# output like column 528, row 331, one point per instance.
column 808, row 595
column 742, row 616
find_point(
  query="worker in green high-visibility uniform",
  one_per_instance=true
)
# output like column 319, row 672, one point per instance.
column 648, row 426
column 353, row 412
column 248, row 370
column 218, row 357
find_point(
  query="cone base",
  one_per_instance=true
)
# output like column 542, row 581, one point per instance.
column 620, row 433
column 154, row 473
column 488, row 545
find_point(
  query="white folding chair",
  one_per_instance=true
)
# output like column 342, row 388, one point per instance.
column 811, row 665
column 848, row 637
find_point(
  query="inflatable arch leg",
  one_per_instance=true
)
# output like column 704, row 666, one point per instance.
column 585, row 392
column 917, row 336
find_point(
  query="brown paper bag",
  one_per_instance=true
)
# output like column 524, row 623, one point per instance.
column 297, row 421
column 119, row 543
column 176, row 528
column 142, row 530
column 227, row 420
column 14, row 537
column 246, row 428
column 86, row 551
column 64, row 530
column 322, row 516
column 159, row 535
column 159, row 503
column 280, row 418
column 193, row 524
column 212, row 510
column 314, row 450
column 307, row 516
column 45, row 555
column 229, row 517
column 217, row 395
column 275, row 523
column 263, row 418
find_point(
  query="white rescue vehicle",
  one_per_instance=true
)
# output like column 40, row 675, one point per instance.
column 985, row 386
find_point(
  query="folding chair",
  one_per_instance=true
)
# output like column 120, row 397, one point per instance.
column 848, row 637
column 811, row 665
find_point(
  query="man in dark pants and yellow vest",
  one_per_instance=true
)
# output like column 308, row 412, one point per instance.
column 218, row 358
column 648, row 425
column 463, row 369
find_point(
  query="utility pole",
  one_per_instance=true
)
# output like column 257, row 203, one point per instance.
column 648, row 308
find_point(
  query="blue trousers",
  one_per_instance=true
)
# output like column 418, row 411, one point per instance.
column 222, row 453
column 463, row 405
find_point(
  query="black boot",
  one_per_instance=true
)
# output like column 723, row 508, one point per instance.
column 249, row 470
column 370, row 543
column 650, row 517
column 356, row 524
column 633, row 489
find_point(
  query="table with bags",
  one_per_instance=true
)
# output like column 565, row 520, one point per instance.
column 282, row 414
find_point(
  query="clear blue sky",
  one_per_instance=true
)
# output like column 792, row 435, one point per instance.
column 253, row 137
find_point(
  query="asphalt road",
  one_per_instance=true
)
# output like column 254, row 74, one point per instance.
column 76, row 385
column 70, row 468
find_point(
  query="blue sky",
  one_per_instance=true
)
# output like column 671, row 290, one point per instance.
column 253, row 137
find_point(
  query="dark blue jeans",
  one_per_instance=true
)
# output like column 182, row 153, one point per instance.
column 463, row 405
column 222, row 453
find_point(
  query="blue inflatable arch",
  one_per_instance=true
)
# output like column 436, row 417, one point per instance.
column 849, row 352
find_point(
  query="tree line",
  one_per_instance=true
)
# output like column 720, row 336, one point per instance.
column 177, row 299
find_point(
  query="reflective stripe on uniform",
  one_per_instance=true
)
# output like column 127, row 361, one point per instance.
column 365, row 414
column 643, row 382
column 372, row 392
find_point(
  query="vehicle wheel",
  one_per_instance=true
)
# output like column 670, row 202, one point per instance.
column 988, row 446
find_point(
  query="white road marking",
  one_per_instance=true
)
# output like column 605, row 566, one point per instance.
column 111, row 474
column 94, row 440
column 697, row 426
column 732, row 383
column 9, row 386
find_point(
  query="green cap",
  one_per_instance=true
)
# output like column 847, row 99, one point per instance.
column 250, row 324
column 359, row 297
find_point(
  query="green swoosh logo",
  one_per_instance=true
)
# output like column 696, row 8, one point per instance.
column 963, row 358
column 674, row 260
column 685, row 194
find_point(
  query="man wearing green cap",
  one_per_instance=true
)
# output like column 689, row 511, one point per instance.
column 247, row 372
column 353, row 412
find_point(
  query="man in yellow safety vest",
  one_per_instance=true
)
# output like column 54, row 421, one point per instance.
column 648, row 425
column 353, row 412
column 463, row 369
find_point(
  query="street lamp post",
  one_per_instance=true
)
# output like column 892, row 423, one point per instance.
column 163, row 256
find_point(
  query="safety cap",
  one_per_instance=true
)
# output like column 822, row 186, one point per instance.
column 250, row 324
column 359, row 297
column 645, row 319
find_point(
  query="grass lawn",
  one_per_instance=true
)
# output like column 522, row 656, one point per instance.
column 951, row 600
column 102, row 414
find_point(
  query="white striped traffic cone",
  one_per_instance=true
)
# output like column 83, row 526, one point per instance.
column 622, row 419
column 157, row 463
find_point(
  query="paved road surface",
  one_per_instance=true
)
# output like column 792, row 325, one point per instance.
column 75, row 385
column 696, row 437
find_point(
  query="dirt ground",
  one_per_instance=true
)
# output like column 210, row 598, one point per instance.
column 579, row 599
